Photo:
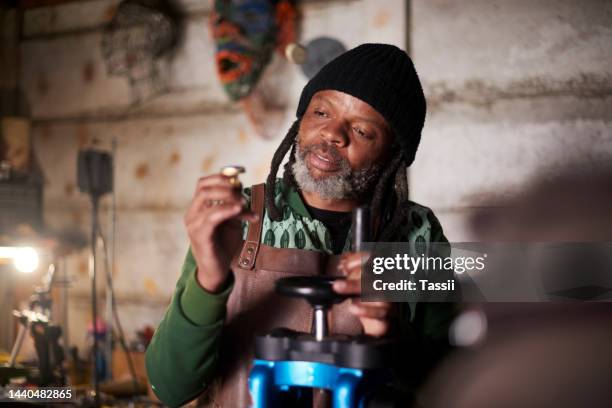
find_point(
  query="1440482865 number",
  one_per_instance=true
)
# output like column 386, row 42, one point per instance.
column 58, row 394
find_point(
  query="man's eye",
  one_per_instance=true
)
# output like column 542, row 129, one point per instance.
column 360, row 132
column 320, row 112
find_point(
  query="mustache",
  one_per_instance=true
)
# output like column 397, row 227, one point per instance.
column 324, row 148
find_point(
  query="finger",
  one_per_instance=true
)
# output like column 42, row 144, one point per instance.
column 351, row 261
column 220, row 191
column 201, row 219
column 245, row 214
column 347, row 286
column 195, row 224
column 351, row 256
column 228, row 195
column 375, row 327
column 354, row 273
column 220, row 187
column 382, row 305
column 379, row 313
column 221, row 213
column 248, row 216
column 201, row 207
column 205, row 196
column 213, row 180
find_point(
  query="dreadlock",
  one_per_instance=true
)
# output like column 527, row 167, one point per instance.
column 390, row 192
column 287, row 143
column 391, row 196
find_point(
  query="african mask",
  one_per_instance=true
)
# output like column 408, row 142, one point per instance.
column 246, row 32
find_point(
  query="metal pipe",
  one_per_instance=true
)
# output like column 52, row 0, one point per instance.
column 320, row 323
column 360, row 228
column 66, row 332
column 110, row 267
column 94, row 299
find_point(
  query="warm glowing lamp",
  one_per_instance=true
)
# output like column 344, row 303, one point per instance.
column 25, row 259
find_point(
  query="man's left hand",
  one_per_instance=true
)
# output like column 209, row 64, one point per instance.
column 376, row 317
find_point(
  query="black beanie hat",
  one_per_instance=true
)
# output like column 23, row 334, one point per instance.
column 383, row 76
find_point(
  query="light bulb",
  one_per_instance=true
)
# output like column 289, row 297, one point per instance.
column 25, row 259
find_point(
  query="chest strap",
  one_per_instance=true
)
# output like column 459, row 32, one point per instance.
column 248, row 255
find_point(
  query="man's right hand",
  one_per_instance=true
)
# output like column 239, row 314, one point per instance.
column 214, row 228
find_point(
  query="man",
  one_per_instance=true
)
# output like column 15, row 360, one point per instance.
column 359, row 122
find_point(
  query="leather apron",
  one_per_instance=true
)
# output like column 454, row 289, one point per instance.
column 254, row 308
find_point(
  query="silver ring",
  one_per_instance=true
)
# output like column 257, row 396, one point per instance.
column 212, row 203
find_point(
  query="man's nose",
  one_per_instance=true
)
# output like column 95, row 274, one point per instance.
column 335, row 133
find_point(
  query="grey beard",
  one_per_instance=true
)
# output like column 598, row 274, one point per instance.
column 344, row 184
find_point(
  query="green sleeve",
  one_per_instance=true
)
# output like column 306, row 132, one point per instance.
column 182, row 356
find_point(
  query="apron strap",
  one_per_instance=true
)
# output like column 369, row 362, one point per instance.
column 248, row 255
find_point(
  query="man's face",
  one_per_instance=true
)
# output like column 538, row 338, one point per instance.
column 343, row 143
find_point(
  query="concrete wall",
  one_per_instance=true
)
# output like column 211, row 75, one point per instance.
column 515, row 89
column 163, row 145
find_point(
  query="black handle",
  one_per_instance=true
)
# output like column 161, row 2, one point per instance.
column 317, row 290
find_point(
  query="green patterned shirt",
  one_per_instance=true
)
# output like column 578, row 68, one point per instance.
column 299, row 230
